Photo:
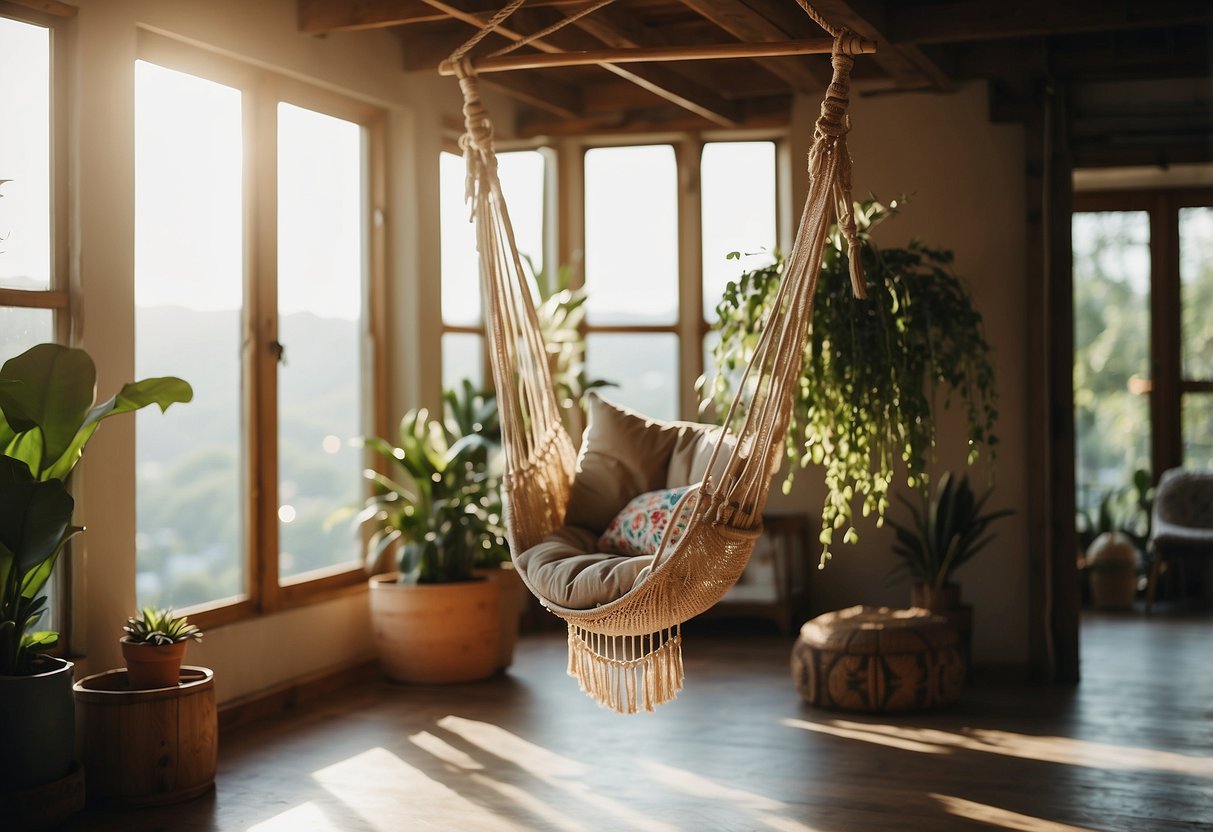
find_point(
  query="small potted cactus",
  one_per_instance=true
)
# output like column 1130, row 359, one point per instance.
column 154, row 646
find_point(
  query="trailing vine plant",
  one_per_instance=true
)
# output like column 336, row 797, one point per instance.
column 873, row 369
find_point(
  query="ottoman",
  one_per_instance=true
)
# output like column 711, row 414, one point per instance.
column 878, row 659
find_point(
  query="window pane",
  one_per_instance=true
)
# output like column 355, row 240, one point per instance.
column 738, row 208
column 631, row 235
column 462, row 358
column 21, row 328
column 1196, row 292
column 188, row 295
column 522, row 182
column 643, row 367
column 25, row 144
column 1197, row 419
column 1111, row 350
column 321, row 217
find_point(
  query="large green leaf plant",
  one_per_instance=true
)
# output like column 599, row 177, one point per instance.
column 47, row 415
column 872, row 371
column 437, row 502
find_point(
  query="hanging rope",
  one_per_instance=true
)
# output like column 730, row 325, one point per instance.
column 626, row 653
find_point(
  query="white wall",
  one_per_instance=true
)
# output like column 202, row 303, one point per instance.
column 965, row 180
column 263, row 652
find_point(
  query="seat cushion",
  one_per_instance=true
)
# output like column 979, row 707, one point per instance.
column 692, row 450
column 622, row 454
column 566, row 569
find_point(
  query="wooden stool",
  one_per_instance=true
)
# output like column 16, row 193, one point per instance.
column 878, row 659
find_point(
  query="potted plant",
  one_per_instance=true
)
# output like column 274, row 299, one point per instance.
column 437, row 509
column 154, row 646
column 47, row 415
column 946, row 531
column 867, row 398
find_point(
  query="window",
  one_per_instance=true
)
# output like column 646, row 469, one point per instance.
column 651, row 297
column 33, row 284
column 1143, row 339
column 34, row 300
column 523, row 176
column 653, row 255
column 255, row 270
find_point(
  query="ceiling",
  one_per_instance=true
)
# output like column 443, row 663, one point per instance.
column 1138, row 76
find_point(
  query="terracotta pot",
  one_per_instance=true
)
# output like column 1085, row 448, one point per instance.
column 511, row 601
column 936, row 599
column 436, row 633
column 152, row 666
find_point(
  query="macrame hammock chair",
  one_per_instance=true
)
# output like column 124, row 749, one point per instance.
column 626, row 654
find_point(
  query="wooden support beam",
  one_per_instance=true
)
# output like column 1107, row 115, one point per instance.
column 970, row 20
column 906, row 64
column 322, row 16
column 669, row 86
column 739, row 19
column 598, row 57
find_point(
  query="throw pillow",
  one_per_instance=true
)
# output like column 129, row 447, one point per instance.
column 640, row 526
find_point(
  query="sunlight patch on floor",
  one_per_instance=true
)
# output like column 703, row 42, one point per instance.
column 861, row 732
column 305, row 816
column 444, row 751
column 1001, row 818
column 1062, row 750
column 389, row 794
column 551, row 768
column 704, row 788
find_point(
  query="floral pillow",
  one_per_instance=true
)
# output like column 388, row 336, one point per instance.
column 640, row 526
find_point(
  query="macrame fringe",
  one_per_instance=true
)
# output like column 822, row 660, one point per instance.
column 627, row 674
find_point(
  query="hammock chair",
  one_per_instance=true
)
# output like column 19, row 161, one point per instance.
column 626, row 651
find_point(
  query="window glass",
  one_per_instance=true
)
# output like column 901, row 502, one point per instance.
column 631, row 235
column 188, row 296
column 1111, row 350
column 1196, row 292
column 1197, row 418
column 522, row 182
column 22, row 328
column 642, row 366
column 737, row 192
column 321, row 214
column 25, row 146
column 462, row 358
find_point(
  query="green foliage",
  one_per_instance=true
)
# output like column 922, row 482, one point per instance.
column 947, row 529
column 438, row 505
column 47, row 415
column 872, row 368
column 160, row 626
column 1128, row 511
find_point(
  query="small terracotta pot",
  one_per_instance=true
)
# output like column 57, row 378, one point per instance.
column 152, row 666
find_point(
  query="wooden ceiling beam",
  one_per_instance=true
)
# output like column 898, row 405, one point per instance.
column 974, row 20
column 906, row 64
column 621, row 31
column 740, row 20
column 323, row 16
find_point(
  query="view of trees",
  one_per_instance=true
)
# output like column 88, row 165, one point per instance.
column 1112, row 299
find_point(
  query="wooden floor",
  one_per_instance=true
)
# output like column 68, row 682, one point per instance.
column 1130, row 749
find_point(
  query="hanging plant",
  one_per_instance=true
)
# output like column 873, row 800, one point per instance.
column 873, row 369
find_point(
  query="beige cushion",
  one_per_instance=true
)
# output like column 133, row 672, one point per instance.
column 623, row 454
column 692, row 450
column 565, row 569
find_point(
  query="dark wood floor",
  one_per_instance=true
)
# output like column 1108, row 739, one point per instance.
column 1130, row 749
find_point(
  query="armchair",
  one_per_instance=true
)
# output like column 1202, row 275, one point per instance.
column 1182, row 523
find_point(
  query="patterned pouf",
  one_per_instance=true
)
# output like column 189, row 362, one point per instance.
column 878, row 659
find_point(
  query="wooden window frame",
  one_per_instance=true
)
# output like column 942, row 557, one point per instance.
column 564, row 232
column 1167, row 384
column 261, row 91
column 58, row 298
